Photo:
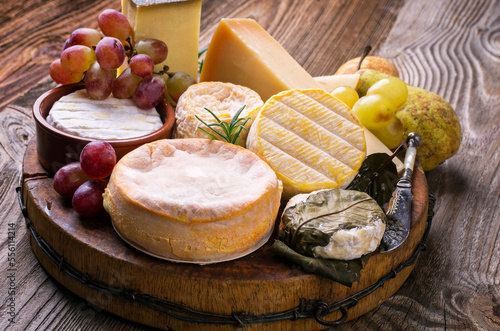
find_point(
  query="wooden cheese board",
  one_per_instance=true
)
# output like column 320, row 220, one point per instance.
column 260, row 291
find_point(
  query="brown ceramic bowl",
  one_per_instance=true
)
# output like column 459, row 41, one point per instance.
column 56, row 148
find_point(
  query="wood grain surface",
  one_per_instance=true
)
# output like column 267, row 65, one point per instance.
column 259, row 283
column 449, row 47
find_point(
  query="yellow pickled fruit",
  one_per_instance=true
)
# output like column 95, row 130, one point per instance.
column 346, row 94
column 392, row 134
column 374, row 111
column 392, row 88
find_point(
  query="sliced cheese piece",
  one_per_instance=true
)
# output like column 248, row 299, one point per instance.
column 110, row 118
column 222, row 99
column 311, row 139
column 330, row 83
column 242, row 52
column 175, row 22
column 193, row 200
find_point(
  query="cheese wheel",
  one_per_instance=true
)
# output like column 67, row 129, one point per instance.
column 193, row 200
column 311, row 140
column 223, row 99
column 349, row 223
column 111, row 118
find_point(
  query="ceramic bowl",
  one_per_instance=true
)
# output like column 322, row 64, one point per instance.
column 56, row 148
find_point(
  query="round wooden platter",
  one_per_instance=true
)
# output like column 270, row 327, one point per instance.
column 258, row 284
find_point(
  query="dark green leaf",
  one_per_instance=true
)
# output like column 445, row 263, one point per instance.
column 343, row 272
column 308, row 222
column 377, row 177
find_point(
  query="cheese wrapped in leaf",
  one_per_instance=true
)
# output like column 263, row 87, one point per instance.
column 332, row 224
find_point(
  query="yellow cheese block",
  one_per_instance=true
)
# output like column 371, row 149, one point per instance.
column 243, row 53
column 177, row 23
column 311, row 140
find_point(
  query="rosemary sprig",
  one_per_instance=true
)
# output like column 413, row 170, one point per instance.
column 230, row 131
column 200, row 62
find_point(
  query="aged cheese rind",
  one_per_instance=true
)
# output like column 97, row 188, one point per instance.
column 223, row 99
column 242, row 52
column 110, row 118
column 193, row 200
column 311, row 140
column 176, row 23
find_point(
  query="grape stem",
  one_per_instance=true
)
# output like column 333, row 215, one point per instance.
column 129, row 49
column 164, row 71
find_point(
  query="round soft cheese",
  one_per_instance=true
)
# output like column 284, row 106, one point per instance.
column 110, row 118
column 193, row 200
column 222, row 99
column 333, row 224
column 311, row 139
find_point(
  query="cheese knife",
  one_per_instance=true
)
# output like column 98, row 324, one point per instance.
column 399, row 213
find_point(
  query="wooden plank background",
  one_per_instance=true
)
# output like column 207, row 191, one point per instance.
column 449, row 47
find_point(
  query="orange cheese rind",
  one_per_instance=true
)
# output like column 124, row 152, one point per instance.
column 223, row 99
column 310, row 139
column 193, row 200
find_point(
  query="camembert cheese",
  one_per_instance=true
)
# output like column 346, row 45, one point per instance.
column 351, row 224
column 222, row 99
column 242, row 52
column 175, row 22
column 311, row 139
column 193, row 200
column 110, row 118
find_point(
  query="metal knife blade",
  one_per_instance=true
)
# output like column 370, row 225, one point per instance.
column 399, row 214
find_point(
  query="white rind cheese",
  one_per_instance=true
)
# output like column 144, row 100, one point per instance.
column 193, row 200
column 110, row 118
column 347, row 242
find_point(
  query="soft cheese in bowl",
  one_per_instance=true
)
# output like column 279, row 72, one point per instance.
column 193, row 200
column 110, row 118
column 61, row 141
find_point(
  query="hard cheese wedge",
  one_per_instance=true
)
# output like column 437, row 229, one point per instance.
column 310, row 139
column 242, row 52
column 177, row 23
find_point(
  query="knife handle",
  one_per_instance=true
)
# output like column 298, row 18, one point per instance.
column 413, row 140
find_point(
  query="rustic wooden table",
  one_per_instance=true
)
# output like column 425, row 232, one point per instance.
column 449, row 47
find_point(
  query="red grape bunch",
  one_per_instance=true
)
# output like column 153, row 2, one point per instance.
column 84, row 182
column 94, row 57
